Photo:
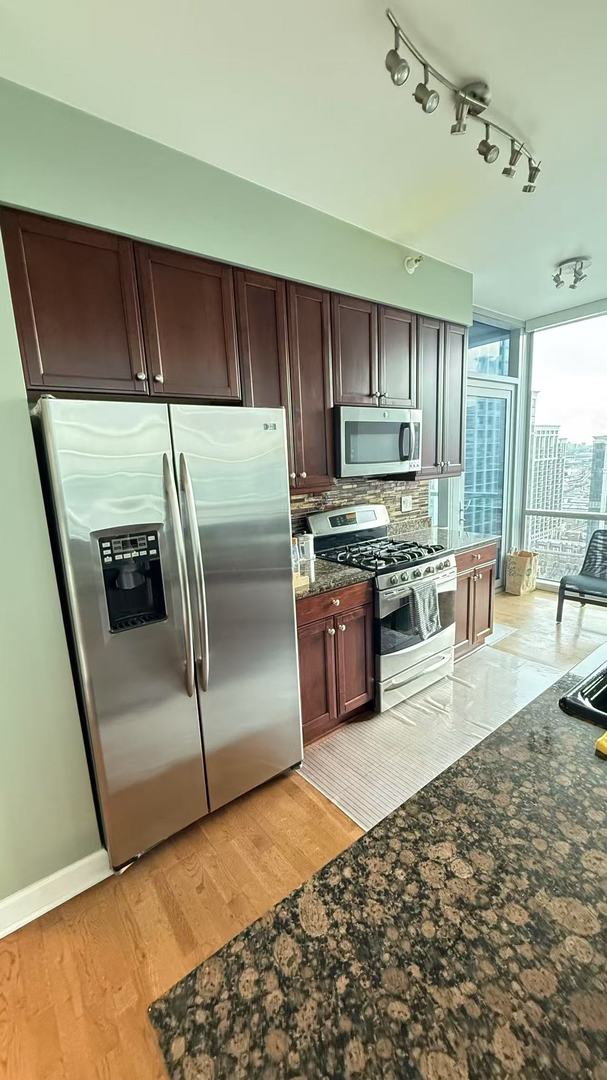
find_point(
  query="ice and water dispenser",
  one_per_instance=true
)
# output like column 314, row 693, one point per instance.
column 132, row 577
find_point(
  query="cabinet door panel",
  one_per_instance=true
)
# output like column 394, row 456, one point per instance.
column 190, row 324
column 397, row 358
column 454, row 399
column 355, row 351
column 464, row 613
column 430, row 346
column 317, row 678
column 310, row 365
column 74, row 295
column 484, row 594
column 354, row 659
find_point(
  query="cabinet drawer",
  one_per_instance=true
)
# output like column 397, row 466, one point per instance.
column 312, row 608
column 467, row 560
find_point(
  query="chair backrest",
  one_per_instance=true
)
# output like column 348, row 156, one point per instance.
column 595, row 559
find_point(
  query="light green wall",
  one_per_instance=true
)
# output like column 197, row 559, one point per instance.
column 47, row 818
column 60, row 161
column 64, row 162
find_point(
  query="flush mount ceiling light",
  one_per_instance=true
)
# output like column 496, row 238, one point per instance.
column 427, row 98
column 575, row 268
column 471, row 100
column 488, row 150
column 396, row 64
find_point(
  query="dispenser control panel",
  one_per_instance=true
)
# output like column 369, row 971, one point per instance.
column 132, row 578
column 116, row 550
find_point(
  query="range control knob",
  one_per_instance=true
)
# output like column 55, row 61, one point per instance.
column 429, row 570
column 394, row 579
column 417, row 573
column 404, row 577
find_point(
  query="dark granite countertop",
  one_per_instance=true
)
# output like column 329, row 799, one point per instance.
column 329, row 575
column 463, row 937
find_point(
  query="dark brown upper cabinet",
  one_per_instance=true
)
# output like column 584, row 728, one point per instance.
column 374, row 354
column 74, row 296
column 454, row 409
column 310, row 368
column 355, row 351
column 398, row 358
column 442, row 399
column 189, row 322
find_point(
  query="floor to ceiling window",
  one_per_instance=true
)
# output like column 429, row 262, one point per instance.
column 567, row 468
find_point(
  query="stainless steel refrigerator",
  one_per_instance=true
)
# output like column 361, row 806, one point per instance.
column 173, row 529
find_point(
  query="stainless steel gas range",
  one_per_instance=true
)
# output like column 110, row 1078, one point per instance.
column 411, row 652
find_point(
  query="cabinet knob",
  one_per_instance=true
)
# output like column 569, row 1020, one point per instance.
column 342, row 627
column 303, row 475
column 335, row 601
column 479, row 577
column 292, row 476
column 159, row 378
column 376, row 394
column 141, row 376
column 476, row 555
column 330, row 631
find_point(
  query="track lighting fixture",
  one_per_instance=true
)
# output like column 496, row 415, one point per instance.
column 427, row 98
column 575, row 267
column 471, row 101
column 396, row 64
column 488, row 150
column 534, row 172
column 515, row 157
column 461, row 112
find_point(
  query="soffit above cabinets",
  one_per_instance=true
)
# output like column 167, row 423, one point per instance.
column 297, row 98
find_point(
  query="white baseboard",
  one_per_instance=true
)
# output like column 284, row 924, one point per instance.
column 29, row 903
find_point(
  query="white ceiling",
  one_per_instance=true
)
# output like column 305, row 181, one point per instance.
column 296, row 97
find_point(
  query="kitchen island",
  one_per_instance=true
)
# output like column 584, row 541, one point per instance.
column 464, row 936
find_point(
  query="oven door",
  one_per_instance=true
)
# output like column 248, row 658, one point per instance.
column 377, row 442
column 398, row 641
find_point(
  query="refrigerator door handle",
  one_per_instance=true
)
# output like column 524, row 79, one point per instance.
column 186, row 614
column 201, row 594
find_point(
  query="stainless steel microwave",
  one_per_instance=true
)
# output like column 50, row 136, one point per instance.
column 376, row 441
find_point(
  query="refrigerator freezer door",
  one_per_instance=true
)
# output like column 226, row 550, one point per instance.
column 242, row 591
column 115, row 498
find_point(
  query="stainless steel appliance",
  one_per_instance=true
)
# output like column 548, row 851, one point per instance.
column 377, row 441
column 405, row 661
column 173, row 529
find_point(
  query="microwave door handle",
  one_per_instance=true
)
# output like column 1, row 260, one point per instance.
column 186, row 612
column 401, row 448
column 185, row 481
column 413, row 442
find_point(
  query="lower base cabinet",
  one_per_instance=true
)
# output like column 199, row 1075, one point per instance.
column 335, row 657
column 476, row 572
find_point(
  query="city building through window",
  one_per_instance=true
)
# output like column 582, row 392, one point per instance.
column 567, row 468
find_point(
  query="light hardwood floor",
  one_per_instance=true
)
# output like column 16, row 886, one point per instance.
column 75, row 985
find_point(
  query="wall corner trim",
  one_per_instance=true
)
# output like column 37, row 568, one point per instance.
column 28, row 904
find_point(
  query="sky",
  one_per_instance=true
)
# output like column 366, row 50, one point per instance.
column 570, row 372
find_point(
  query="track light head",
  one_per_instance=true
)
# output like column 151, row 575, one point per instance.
column 578, row 275
column 515, row 156
column 534, row 172
column 427, row 98
column 488, row 150
column 461, row 112
column 558, row 278
column 396, row 64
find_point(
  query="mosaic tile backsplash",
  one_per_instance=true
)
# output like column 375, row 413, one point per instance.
column 348, row 492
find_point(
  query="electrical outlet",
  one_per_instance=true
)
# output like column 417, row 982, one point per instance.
column 406, row 503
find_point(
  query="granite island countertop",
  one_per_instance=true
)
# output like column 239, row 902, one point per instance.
column 462, row 937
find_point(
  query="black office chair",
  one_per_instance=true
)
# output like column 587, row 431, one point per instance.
column 590, row 585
